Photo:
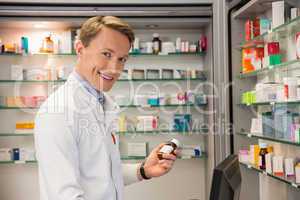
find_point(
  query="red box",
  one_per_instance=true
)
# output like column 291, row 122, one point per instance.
column 256, row 27
column 248, row 30
column 273, row 48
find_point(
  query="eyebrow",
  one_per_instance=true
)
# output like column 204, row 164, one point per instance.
column 115, row 52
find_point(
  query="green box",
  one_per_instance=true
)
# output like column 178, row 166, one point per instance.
column 274, row 60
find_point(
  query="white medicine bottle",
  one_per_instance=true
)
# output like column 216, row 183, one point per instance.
column 169, row 148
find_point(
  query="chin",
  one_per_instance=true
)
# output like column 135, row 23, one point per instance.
column 106, row 89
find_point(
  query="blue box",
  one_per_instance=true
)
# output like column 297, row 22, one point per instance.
column 182, row 122
column 16, row 154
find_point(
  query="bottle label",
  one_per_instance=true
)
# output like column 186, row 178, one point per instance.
column 156, row 46
column 166, row 149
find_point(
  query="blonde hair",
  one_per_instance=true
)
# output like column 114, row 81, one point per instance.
column 93, row 26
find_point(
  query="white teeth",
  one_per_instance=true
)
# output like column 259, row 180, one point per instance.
column 106, row 77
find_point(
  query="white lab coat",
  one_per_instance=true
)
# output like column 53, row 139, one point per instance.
column 77, row 157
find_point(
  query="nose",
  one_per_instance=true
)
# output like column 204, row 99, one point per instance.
column 114, row 66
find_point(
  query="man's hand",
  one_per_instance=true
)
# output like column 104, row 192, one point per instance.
column 155, row 167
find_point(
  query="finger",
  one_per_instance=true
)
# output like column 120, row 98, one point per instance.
column 156, row 149
column 166, row 156
column 162, row 162
column 177, row 152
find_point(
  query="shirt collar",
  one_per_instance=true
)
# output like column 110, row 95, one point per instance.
column 99, row 95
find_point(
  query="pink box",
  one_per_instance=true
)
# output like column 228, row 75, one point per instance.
column 298, row 45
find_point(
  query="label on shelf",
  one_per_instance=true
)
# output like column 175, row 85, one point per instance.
column 249, row 135
column 249, row 166
column 20, row 162
column 265, row 173
column 294, row 185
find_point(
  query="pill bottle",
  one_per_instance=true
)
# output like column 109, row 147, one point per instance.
column 48, row 45
column 262, row 155
column 169, row 148
column 156, row 43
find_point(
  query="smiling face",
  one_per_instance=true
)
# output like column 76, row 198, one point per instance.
column 102, row 61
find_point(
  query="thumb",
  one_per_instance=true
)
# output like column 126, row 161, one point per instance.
column 156, row 149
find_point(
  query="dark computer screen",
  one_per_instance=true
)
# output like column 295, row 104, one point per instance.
column 226, row 184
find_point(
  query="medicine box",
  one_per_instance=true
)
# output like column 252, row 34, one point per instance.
column 289, row 167
column 167, row 74
column 278, row 166
column 153, row 74
column 16, row 72
column 278, row 15
column 5, row 154
column 297, row 171
column 138, row 74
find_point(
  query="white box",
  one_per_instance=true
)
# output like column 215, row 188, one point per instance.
column 269, row 168
column 277, row 13
column 5, row 154
column 294, row 13
column 289, row 167
column 137, row 149
column 278, row 166
column 147, row 123
column 27, row 154
column 16, row 72
column 297, row 171
column 256, row 125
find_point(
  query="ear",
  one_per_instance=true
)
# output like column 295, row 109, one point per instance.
column 78, row 46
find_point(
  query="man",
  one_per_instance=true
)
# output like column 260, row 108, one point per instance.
column 75, row 143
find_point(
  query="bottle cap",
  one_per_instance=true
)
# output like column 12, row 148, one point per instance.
column 156, row 35
column 175, row 141
column 263, row 145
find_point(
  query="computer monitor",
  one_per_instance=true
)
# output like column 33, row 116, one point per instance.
column 226, row 184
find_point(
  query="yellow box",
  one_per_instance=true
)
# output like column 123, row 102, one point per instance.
column 254, row 154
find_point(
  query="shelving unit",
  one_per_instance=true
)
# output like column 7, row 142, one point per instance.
column 260, row 185
column 127, row 158
column 156, row 132
column 261, row 136
column 132, row 54
column 189, row 28
column 290, row 182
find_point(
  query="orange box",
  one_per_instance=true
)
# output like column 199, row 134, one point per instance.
column 247, row 55
column 25, row 125
column 10, row 101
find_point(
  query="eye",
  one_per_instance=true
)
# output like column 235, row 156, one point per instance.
column 107, row 54
column 123, row 60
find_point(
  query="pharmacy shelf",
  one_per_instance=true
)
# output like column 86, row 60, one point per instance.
column 129, row 133
column 121, row 106
column 18, row 162
column 120, row 80
column 16, row 134
column 294, row 64
column 170, row 54
column 261, row 136
column 32, row 81
column 290, row 182
column 16, row 108
column 164, row 132
column 252, row 8
column 271, row 103
column 132, row 54
column 157, row 106
column 285, row 29
column 124, row 158
column 162, row 80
